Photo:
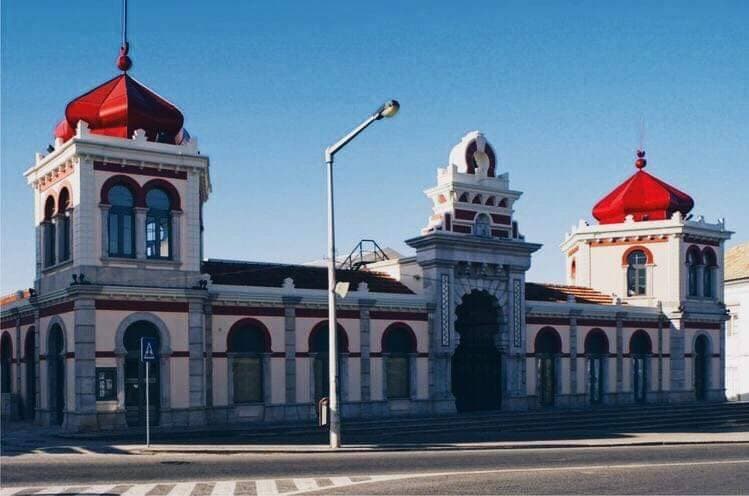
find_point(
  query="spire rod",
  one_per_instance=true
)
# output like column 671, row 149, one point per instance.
column 124, row 63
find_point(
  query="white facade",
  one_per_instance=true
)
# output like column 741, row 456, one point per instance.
column 737, row 326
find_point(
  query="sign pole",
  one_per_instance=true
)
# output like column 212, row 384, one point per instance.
column 148, row 423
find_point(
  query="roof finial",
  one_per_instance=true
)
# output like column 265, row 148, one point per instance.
column 640, row 163
column 124, row 63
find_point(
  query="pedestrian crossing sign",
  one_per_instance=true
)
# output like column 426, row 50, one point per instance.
column 148, row 347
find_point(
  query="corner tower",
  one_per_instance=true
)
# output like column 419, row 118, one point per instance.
column 118, row 198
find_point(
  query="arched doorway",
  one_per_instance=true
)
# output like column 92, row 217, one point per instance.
column 318, row 347
column 640, row 349
column 548, row 347
column 596, row 352
column 29, row 353
column 477, row 363
column 6, row 357
column 135, row 375
column 701, row 366
column 56, row 374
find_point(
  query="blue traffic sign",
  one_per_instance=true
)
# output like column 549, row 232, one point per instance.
column 148, row 347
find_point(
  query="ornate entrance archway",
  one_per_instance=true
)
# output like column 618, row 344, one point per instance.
column 477, row 363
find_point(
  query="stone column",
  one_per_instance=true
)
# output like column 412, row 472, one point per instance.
column 208, row 339
column 104, row 208
column 619, row 355
column 59, row 237
column 140, row 232
column 676, row 350
column 289, row 306
column 195, row 332
column 366, row 364
column 660, row 356
column 438, row 287
column 85, row 366
column 37, row 364
column 176, row 235
column 573, row 353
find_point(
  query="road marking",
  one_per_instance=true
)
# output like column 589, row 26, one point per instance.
column 306, row 484
column 267, row 486
column 139, row 490
column 182, row 489
column 223, row 488
column 340, row 481
column 98, row 489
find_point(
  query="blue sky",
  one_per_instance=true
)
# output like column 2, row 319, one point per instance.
column 559, row 88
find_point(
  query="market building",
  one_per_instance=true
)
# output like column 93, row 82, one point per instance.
column 454, row 327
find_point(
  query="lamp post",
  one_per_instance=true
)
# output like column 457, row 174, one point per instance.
column 388, row 109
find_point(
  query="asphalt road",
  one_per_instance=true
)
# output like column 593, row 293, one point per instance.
column 702, row 469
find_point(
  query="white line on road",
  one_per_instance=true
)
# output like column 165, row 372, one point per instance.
column 139, row 490
column 182, row 489
column 267, row 486
column 341, row 481
column 306, row 484
column 222, row 488
column 98, row 489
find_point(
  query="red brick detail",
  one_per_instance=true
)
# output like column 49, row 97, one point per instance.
column 463, row 214
column 386, row 315
column 142, row 305
column 501, row 219
column 703, row 325
column 548, row 320
column 596, row 322
column 248, row 311
column 625, row 241
column 461, row 229
column 64, row 307
column 648, row 254
column 640, row 325
column 700, row 241
column 60, row 176
column 448, row 222
column 500, row 233
column 105, row 354
column 180, row 354
column 573, row 251
column 320, row 313
column 140, row 171
column 278, row 354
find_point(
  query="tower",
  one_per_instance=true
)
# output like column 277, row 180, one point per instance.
column 474, row 261
column 119, row 197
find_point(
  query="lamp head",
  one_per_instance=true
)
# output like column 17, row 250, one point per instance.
column 388, row 109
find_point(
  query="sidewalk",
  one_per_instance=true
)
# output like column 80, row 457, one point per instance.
column 572, row 441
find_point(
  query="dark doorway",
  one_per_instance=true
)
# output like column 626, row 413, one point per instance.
column 596, row 352
column 318, row 347
column 6, row 357
column 56, row 374
column 29, row 353
column 135, row 376
column 701, row 366
column 548, row 347
column 477, row 363
column 640, row 348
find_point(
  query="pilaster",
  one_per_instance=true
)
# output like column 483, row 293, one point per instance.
column 140, row 232
column 196, row 345
column 364, row 339
column 289, row 306
column 85, row 365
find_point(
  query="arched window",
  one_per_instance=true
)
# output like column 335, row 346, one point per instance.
column 711, row 266
column 573, row 271
column 121, row 222
column 596, row 352
column 6, row 357
column 694, row 260
column 636, row 273
column 548, row 346
column 640, row 349
column 158, row 224
column 502, row 203
column 482, row 226
column 318, row 348
column 490, row 201
column 477, row 199
column 49, row 232
column 246, row 344
column 63, row 221
column 463, row 198
column 398, row 343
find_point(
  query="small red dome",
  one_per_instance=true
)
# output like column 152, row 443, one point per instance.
column 118, row 108
column 643, row 196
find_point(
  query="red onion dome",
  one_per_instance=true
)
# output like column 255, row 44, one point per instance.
column 644, row 197
column 118, row 108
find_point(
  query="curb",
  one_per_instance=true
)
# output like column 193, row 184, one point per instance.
column 386, row 449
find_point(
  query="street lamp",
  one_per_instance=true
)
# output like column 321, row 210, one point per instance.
column 388, row 109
